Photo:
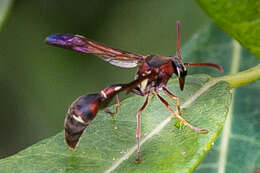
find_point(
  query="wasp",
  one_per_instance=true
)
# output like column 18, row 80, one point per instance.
column 163, row 67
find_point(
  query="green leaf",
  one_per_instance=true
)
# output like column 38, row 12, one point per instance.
column 4, row 7
column 238, row 148
column 205, row 104
column 238, row 18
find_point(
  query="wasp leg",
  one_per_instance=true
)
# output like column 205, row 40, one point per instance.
column 168, row 93
column 198, row 130
column 138, row 128
column 117, row 106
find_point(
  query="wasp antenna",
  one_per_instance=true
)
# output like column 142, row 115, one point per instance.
column 205, row 64
column 178, row 41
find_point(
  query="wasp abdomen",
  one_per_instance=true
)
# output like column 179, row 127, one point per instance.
column 79, row 116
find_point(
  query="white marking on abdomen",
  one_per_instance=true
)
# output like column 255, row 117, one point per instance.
column 104, row 94
column 78, row 118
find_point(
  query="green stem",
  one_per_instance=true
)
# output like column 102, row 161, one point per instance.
column 242, row 78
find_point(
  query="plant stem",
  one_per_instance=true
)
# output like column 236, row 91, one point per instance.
column 242, row 78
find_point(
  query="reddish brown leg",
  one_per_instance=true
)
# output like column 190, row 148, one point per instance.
column 168, row 93
column 117, row 106
column 138, row 128
column 198, row 130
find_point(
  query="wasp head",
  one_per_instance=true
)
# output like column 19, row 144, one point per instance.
column 180, row 70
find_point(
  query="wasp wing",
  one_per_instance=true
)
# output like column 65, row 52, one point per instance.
column 79, row 43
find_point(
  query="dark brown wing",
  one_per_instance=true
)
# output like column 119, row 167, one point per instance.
column 79, row 43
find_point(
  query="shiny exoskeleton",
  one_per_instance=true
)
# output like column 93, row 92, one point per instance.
column 80, row 114
column 161, row 67
column 164, row 67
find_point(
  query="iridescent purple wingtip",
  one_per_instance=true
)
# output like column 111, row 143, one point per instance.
column 59, row 39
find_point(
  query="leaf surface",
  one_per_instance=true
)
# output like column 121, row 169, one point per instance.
column 169, row 149
column 239, row 18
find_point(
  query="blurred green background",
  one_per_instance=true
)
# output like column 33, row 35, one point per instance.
column 38, row 82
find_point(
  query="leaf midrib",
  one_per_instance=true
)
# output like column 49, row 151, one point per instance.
column 226, row 133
